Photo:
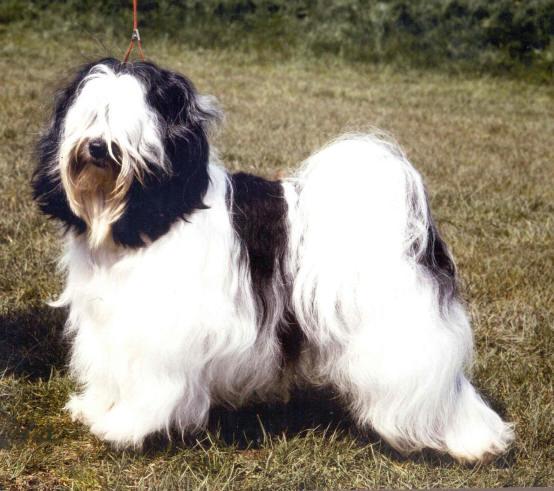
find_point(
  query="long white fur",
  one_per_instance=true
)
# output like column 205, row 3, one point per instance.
column 163, row 332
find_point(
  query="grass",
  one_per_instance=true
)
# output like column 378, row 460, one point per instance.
column 485, row 148
column 502, row 37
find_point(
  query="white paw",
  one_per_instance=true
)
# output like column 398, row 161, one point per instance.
column 87, row 407
column 121, row 427
column 480, row 443
column 75, row 407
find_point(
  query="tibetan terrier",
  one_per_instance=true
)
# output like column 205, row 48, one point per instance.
column 189, row 286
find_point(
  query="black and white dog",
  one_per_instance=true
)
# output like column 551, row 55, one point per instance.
column 188, row 286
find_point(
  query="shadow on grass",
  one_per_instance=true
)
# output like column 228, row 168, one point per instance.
column 250, row 427
column 31, row 342
column 306, row 410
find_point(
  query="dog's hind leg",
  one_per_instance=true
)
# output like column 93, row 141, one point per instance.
column 402, row 374
column 375, row 293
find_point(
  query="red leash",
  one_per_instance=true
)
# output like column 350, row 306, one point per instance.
column 134, row 37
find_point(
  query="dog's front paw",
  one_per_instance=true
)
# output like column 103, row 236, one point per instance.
column 121, row 427
column 76, row 408
column 87, row 407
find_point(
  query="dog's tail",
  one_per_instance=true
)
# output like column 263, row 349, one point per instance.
column 374, row 290
column 360, row 207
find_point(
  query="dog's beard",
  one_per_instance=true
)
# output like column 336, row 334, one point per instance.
column 96, row 191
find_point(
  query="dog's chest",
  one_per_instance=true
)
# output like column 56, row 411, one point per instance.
column 179, row 283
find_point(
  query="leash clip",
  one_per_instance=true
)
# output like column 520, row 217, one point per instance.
column 135, row 37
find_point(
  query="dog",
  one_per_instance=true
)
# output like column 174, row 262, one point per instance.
column 188, row 286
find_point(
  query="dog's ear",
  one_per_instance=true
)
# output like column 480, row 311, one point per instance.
column 176, row 189
column 176, row 100
column 187, row 119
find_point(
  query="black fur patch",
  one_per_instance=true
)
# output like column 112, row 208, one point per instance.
column 154, row 207
column 439, row 263
column 163, row 198
column 259, row 213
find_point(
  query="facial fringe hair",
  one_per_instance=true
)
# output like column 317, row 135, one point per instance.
column 96, row 195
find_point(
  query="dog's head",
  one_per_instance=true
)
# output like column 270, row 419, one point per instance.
column 126, row 153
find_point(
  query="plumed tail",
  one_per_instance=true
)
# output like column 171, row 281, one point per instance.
column 361, row 222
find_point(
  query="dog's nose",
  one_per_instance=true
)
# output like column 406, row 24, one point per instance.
column 98, row 149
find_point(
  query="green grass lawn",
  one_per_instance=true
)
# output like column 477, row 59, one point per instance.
column 486, row 149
